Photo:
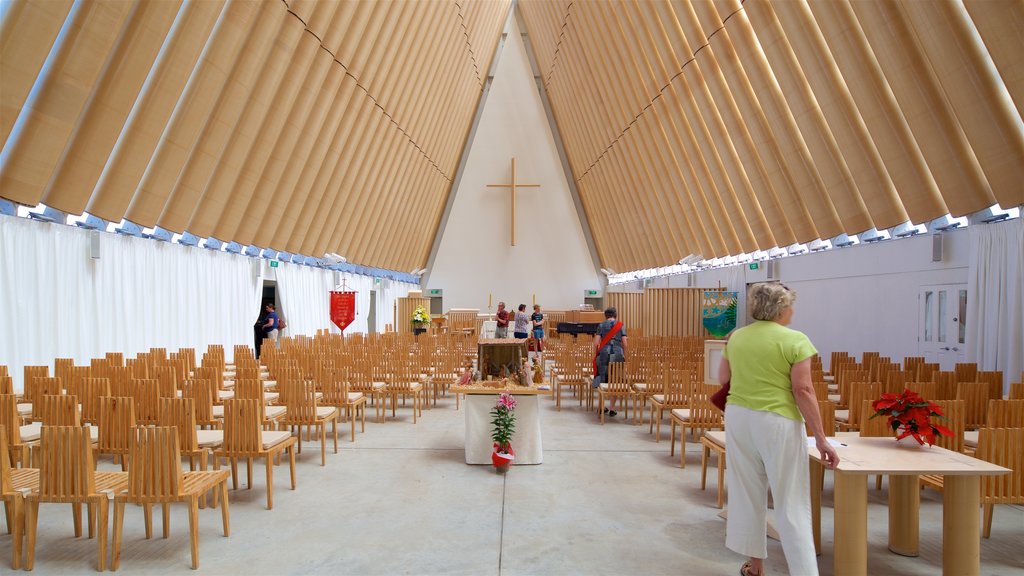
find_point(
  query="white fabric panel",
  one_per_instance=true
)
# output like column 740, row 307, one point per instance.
column 362, row 286
column 61, row 303
column 304, row 294
column 526, row 441
column 387, row 292
column 995, row 299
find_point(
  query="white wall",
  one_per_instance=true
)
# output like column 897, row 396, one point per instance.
column 856, row 299
column 551, row 258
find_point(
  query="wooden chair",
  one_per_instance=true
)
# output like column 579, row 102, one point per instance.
column 180, row 413
column 1005, row 414
column 1001, row 414
column 849, row 420
column 18, row 449
column 975, row 396
column 702, row 415
column 945, row 385
column 676, row 392
column 336, row 393
column 61, row 410
column 405, row 382
column 202, row 393
column 13, row 482
column 43, row 386
column 304, row 411
column 6, row 385
column 874, row 426
column 91, row 390
column 1002, row 447
column 954, row 417
column 117, row 418
column 155, row 477
column 827, row 410
column 245, row 438
column 146, row 392
column 617, row 386
column 31, row 373
column 570, row 373
column 966, row 372
column 67, row 475
column 1016, row 391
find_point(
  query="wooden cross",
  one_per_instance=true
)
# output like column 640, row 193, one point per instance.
column 513, row 187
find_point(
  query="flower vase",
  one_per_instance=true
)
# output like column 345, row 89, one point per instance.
column 907, row 441
column 502, row 459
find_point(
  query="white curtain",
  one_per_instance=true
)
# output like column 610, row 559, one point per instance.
column 58, row 302
column 995, row 299
column 304, row 293
column 361, row 285
column 387, row 292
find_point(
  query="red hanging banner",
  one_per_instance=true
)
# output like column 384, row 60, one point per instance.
column 343, row 308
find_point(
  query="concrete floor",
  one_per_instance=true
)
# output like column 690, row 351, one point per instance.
column 400, row 500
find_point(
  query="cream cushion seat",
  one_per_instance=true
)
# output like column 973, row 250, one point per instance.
column 272, row 438
column 210, row 438
column 354, row 396
column 31, row 432
column 843, row 416
column 970, row 439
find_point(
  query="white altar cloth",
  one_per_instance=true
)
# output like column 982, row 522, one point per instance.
column 526, row 442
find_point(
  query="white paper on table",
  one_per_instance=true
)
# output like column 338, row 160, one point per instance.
column 832, row 441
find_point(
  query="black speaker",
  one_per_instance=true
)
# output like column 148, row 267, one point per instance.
column 936, row 247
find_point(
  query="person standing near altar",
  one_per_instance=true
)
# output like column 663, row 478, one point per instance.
column 502, row 331
column 522, row 326
column 537, row 319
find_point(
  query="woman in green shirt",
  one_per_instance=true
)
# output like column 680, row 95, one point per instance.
column 768, row 366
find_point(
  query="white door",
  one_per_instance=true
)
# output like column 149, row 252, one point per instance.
column 942, row 324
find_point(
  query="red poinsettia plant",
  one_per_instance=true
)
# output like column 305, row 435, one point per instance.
column 910, row 415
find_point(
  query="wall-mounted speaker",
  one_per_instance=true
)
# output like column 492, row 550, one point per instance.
column 690, row 280
column 257, row 268
column 936, row 247
column 94, row 244
column 770, row 270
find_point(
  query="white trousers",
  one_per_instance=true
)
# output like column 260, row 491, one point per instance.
column 766, row 450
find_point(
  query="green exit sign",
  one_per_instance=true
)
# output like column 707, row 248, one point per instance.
column 435, row 291
column 274, row 263
column 754, row 266
column 591, row 293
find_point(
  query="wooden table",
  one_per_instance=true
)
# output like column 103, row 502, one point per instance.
column 527, row 438
column 861, row 457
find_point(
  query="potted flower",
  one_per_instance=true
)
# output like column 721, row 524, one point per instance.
column 503, row 418
column 910, row 415
column 420, row 319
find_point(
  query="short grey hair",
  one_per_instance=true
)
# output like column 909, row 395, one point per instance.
column 768, row 299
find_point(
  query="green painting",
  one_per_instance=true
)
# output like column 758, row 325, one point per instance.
column 719, row 312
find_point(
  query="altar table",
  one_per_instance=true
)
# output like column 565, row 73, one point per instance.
column 526, row 442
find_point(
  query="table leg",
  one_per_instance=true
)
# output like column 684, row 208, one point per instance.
column 961, row 544
column 904, row 514
column 817, row 473
column 851, row 524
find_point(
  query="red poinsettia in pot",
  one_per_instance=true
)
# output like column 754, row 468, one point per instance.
column 503, row 418
column 910, row 415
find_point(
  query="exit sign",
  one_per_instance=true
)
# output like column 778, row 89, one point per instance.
column 435, row 292
column 591, row 293
column 754, row 266
column 274, row 263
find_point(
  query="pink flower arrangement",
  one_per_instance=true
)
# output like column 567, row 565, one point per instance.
column 507, row 400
